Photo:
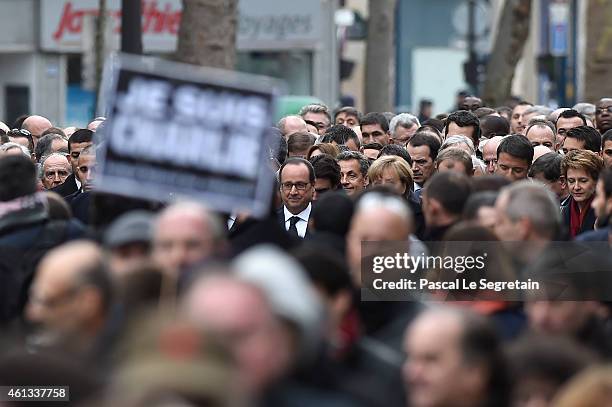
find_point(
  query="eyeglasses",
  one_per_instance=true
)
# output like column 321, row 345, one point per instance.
column 22, row 132
column 300, row 186
column 600, row 110
column 52, row 174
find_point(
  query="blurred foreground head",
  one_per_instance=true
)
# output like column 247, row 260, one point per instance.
column 380, row 215
column 240, row 313
column 454, row 359
column 70, row 296
column 185, row 234
column 167, row 361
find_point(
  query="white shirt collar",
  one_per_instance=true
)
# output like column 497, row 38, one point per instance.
column 304, row 215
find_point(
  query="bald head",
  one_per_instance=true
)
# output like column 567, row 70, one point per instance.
column 36, row 125
column 71, row 291
column 185, row 234
column 378, row 217
column 539, row 151
column 241, row 302
column 93, row 126
column 454, row 359
column 291, row 124
column 247, row 321
column 489, row 153
column 68, row 261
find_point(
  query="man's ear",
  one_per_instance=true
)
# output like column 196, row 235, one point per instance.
column 525, row 227
column 434, row 206
column 563, row 181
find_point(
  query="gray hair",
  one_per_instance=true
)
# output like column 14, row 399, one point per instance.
column 527, row 199
column 540, row 123
column 540, row 110
column 11, row 145
column 406, row 120
column 587, row 109
column 315, row 108
column 364, row 163
column 392, row 203
column 452, row 141
column 456, row 154
column 43, row 160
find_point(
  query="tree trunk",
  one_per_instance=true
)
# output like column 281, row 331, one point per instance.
column 598, row 55
column 207, row 35
column 380, row 56
column 512, row 33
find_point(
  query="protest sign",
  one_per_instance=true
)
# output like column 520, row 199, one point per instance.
column 179, row 130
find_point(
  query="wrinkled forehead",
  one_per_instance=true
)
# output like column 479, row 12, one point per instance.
column 56, row 162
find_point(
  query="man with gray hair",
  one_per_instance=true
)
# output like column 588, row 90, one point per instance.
column 586, row 109
column 402, row 128
column 12, row 148
column 536, row 111
column 527, row 215
column 54, row 169
column 318, row 115
column 353, row 171
column 185, row 234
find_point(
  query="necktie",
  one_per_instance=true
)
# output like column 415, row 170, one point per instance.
column 292, row 228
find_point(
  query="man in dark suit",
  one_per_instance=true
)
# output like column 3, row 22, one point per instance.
column 79, row 201
column 79, row 140
column 297, row 179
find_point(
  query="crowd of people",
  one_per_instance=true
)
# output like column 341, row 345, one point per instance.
column 123, row 299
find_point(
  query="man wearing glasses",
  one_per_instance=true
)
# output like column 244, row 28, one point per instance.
column 79, row 140
column 297, row 180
